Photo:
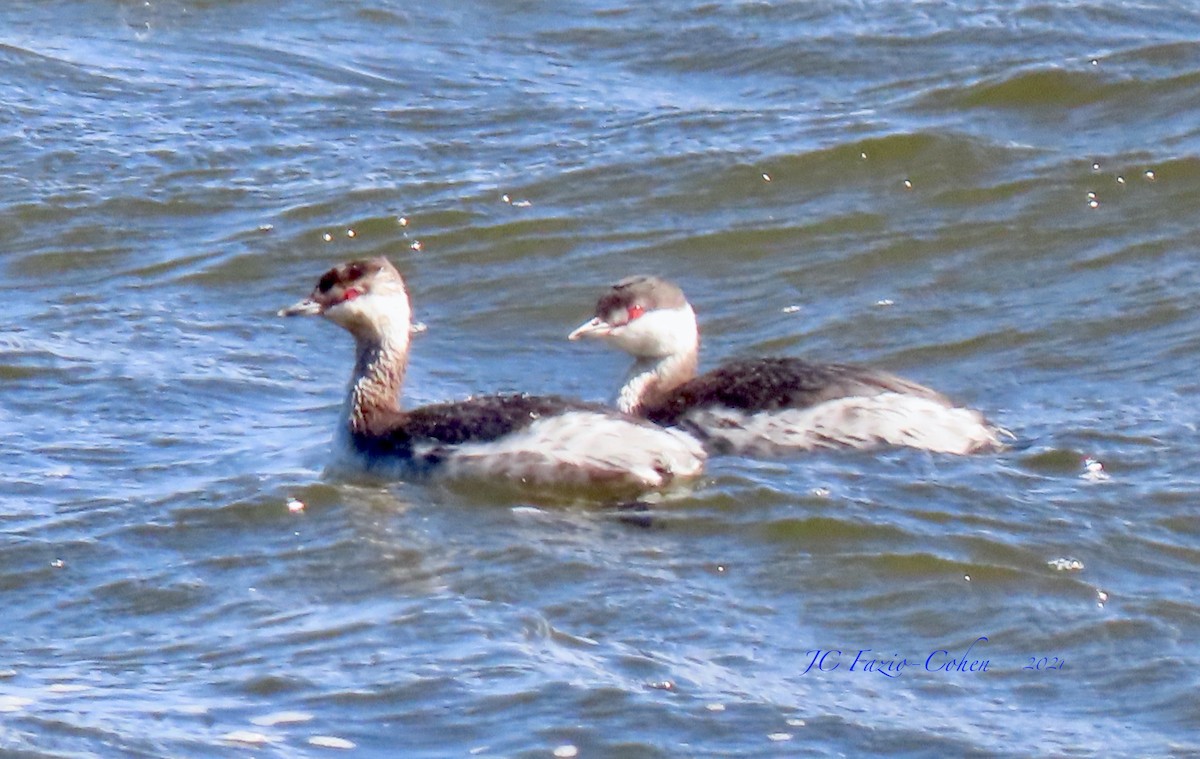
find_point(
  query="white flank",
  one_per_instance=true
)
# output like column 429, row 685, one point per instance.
column 582, row 447
column 855, row 422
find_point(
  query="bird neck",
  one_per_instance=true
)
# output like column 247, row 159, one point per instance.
column 379, row 368
column 651, row 380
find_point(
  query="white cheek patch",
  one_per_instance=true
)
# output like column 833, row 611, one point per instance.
column 658, row 333
column 857, row 422
column 381, row 312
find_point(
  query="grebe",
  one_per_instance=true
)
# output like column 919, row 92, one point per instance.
column 767, row 405
column 529, row 439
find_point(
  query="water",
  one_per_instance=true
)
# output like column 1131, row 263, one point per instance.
column 906, row 185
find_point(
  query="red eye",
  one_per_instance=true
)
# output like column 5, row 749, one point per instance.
column 351, row 293
column 635, row 311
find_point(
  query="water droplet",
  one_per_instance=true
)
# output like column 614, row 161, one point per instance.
column 1065, row 565
column 1093, row 470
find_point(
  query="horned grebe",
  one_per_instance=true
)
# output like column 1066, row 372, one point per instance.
column 535, row 440
column 767, row 405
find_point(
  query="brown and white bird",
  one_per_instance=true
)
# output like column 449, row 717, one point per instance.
column 767, row 405
column 538, row 440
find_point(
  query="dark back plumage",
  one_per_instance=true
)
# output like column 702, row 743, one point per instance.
column 769, row 384
column 474, row 420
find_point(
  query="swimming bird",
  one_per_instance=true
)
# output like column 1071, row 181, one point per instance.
column 767, row 405
column 537, row 440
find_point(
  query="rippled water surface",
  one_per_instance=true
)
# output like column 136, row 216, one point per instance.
column 996, row 199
